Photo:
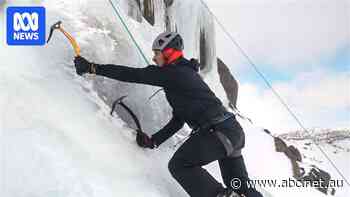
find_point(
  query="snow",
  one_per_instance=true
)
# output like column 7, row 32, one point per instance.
column 57, row 137
column 58, row 140
column 337, row 152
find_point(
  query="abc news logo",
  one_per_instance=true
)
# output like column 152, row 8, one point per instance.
column 25, row 25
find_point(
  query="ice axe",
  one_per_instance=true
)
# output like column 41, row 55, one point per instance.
column 70, row 38
column 120, row 102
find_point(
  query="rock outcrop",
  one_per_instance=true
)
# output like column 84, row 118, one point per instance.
column 228, row 82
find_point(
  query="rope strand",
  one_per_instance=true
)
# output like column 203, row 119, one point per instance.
column 128, row 31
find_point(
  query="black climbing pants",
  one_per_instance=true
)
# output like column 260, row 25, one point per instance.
column 203, row 148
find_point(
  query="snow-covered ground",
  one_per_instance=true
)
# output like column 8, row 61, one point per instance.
column 57, row 137
column 335, row 143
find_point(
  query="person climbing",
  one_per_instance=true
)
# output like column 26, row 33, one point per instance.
column 216, row 135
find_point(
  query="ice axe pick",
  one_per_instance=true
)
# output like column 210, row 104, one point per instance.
column 72, row 41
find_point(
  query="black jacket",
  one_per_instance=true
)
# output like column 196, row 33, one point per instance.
column 190, row 97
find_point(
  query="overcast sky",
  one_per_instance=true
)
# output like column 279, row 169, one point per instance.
column 302, row 47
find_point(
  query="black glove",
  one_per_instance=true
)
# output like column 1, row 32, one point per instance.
column 83, row 66
column 144, row 141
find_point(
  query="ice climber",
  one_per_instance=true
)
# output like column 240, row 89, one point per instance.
column 216, row 134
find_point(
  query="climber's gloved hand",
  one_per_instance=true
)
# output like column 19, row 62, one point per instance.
column 83, row 66
column 144, row 141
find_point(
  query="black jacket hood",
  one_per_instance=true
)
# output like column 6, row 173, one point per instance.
column 192, row 63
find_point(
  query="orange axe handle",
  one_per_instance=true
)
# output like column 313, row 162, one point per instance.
column 72, row 41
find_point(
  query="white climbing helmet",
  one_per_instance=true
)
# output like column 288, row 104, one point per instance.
column 168, row 39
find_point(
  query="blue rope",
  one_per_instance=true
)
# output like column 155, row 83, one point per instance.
column 128, row 31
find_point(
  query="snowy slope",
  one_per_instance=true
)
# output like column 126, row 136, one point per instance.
column 57, row 138
column 335, row 143
column 56, row 135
